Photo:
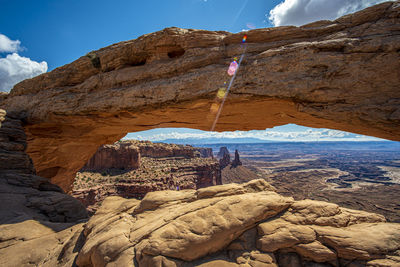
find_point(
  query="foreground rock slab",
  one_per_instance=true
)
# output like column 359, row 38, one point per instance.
column 332, row 74
column 234, row 225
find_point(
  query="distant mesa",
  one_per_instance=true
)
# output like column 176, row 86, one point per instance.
column 223, row 151
column 117, row 156
column 224, row 157
column 133, row 168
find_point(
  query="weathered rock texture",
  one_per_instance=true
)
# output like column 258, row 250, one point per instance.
column 116, row 156
column 336, row 74
column 132, row 168
column 224, row 157
column 23, row 195
column 223, row 151
column 127, row 154
column 236, row 161
column 230, row 225
column 225, row 225
column 36, row 217
column 162, row 150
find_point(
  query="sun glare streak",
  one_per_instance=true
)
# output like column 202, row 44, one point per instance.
column 233, row 68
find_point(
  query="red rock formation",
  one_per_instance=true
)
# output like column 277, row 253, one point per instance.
column 191, row 177
column 161, row 150
column 25, row 196
column 222, row 151
column 225, row 157
column 172, row 167
column 333, row 74
column 236, row 161
column 117, row 156
column 205, row 152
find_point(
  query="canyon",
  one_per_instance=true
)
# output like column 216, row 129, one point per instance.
column 132, row 168
column 356, row 175
column 335, row 74
column 330, row 74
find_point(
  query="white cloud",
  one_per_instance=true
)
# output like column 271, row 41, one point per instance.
column 7, row 45
column 15, row 68
column 285, row 133
column 300, row 12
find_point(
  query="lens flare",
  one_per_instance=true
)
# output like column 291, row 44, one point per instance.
column 221, row 93
column 214, row 108
column 232, row 68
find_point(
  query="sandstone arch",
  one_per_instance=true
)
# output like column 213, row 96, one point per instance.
column 342, row 75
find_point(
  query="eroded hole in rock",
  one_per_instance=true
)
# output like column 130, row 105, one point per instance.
column 95, row 59
column 176, row 52
column 137, row 62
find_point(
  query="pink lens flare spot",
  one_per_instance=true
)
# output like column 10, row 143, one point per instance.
column 232, row 68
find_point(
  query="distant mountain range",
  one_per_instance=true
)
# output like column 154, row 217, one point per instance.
column 216, row 140
column 244, row 140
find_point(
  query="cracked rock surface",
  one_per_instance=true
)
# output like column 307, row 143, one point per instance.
column 253, row 226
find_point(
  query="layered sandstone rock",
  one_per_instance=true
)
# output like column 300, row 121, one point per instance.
column 127, row 154
column 205, row 152
column 223, row 151
column 36, row 217
column 23, row 195
column 117, row 156
column 225, row 225
column 133, row 168
column 224, row 157
column 333, row 74
column 235, row 225
column 162, row 150
column 236, row 161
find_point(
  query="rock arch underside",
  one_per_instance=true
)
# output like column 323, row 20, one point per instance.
column 341, row 74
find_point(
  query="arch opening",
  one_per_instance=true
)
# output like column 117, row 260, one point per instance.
column 303, row 162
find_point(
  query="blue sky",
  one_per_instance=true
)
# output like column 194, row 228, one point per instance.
column 59, row 32
column 38, row 36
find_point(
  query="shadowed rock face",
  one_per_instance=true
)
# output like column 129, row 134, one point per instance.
column 118, row 156
column 36, row 217
column 236, row 161
column 338, row 75
column 225, row 157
